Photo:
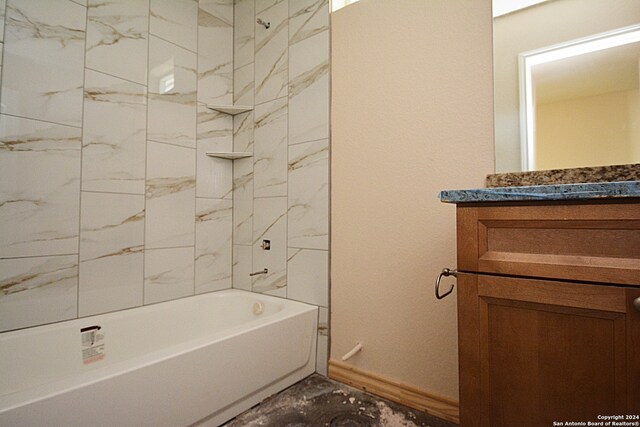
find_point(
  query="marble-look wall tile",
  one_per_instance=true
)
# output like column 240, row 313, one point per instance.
column 307, row 18
column 168, row 274
column 243, row 30
column 309, row 89
column 279, row 292
column 309, row 195
column 272, row 53
column 37, row 291
column 81, row 2
column 307, row 276
column 322, row 350
column 215, row 51
column 172, row 93
column 1, row 55
column 243, row 202
column 170, row 196
column 39, row 188
column 44, row 38
column 270, row 149
column 243, row 85
column 215, row 133
column 262, row 5
column 117, row 37
column 3, row 7
column 243, row 180
column 213, row 245
column 114, row 137
column 175, row 21
column 242, row 267
column 270, row 223
column 111, row 252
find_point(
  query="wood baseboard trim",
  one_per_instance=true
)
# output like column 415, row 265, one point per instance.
column 395, row 391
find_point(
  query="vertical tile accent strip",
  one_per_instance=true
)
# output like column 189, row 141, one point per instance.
column 215, row 133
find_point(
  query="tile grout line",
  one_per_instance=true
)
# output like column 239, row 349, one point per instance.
column 82, row 135
column 197, row 139
column 146, row 159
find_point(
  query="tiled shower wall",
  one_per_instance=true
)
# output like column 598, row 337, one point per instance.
column 282, row 193
column 107, row 199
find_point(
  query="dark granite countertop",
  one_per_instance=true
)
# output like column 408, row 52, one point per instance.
column 585, row 191
column 613, row 173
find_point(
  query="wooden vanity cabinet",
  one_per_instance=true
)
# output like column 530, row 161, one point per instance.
column 547, row 326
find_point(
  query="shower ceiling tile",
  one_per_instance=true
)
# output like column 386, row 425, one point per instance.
column 170, row 196
column 214, row 230
column 309, row 89
column 39, row 188
column 307, row 18
column 175, row 21
column 307, row 276
column 31, row 53
column 172, row 93
column 215, row 133
column 270, row 223
column 272, row 53
column 270, row 149
column 215, row 52
column 117, row 37
column 243, row 33
column 309, row 195
column 111, row 252
column 37, row 291
column 168, row 274
column 113, row 142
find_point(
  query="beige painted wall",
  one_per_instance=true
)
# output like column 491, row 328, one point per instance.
column 411, row 115
column 539, row 26
column 593, row 130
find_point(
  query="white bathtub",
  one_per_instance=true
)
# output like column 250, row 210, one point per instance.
column 194, row 361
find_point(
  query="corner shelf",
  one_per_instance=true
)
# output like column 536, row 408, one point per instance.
column 230, row 155
column 230, row 109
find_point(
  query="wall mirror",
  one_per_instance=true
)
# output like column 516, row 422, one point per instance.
column 567, row 84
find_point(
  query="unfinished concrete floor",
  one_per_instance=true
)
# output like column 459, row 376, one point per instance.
column 319, row 401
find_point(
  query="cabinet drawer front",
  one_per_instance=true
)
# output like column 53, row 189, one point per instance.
column 596, row 242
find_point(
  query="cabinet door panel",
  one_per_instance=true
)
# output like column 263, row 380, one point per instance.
column 533, row 352
column 544, row 363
